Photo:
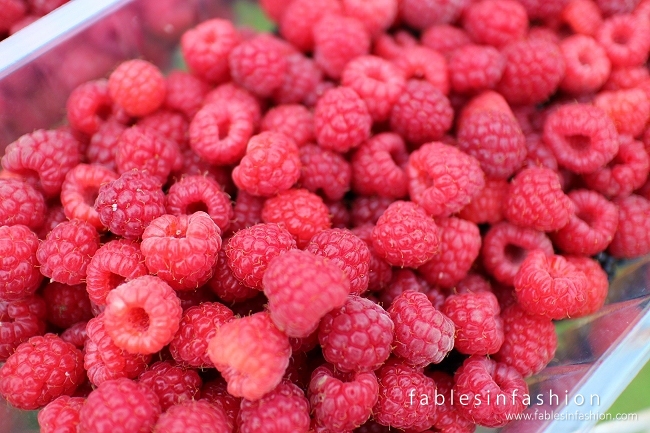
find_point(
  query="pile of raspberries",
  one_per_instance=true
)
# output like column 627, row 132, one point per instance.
column 327, row 229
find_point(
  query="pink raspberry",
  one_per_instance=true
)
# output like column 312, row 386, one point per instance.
column 89, row 106
column 301, row 288
column 40, row 370
column 460, row 243
column 480, row 377
column 444, row 38
column 20, row 320
column 20, row 276
column 421, row 113
column 421, row 14
column 251, row 354
column 120, row 406
column 127, row 205
column 405, row 235
column 597, row 283
column 380, row 271
column 65, row 253
column 632, row 235
column 474, row 68
column 487, row 205
column 217, row 394
column 185, row 93
column 342, row 402
column 142, row 315
column 195, row 416
column 259, row 64
column 341, row 120
column 66, row 305
column 300, row 80
column 284, row 409
column 293, row 120
column 144, row 149
column 337, row 41
column 138, row 87
column 582, row 137
column 367, row 210
column 61, row 415
column 324, row 171
column 495, row 22
column 300, row 17
column 587, row 65
column 172, row 384
column 582, row 16
column 442, row 179
column 225, row 285
column 103, row 145
column 626, row 39
column 448, row 417
column 356, row 336
column 628, row 108
column 21, row 203
column 423, row 335
column 206, row 48
column 376, row 16
column 378, row 167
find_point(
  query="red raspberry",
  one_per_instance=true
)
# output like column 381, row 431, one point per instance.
column 404, row 280
column 380, row 271
column 341, row 120
column 549, row 286
column 474, row 68
column 271, row 165
column 401, row 389
column 632, row 235
column 20, row 320
column 119, row 406
column 173, row 385
column 200, row 193
column 293, row 120
column 197, row 327
column 609, row 7
column 251, row 354
column 301, row 288
column 495, row 22
column 217, row 394
column 274, row 9
column 103, row 145
column 448, row 417
column 79, row 192
column 194, row 165
column 142, row 315
column 597, row 283
column 487, row 205
column 300, row 79
column 89, row 106
column 247, row 211
column 357, row 336
column 626, row 78
column 42, row 158
column 534, row 70
column 342, row 402
column 299, row 211
column 19, row 268
column 193, row 416
column 185, row 93
column 376, row 16
column 592, row 226
column 76, row 335
column 405, row 235
column 40, row 370
column 444, row 38
column 138, row 87
column 587, row 65
column 367, row 210
column 168, row 124
column 224, row 284
column 626, row 39
column 324, row 170
column 423, row 14
column 230, row 93
column 505, row 246
column 66, row 305
column 339, row 213
column 144, row 149
column 378, row 167
column 21, row 203
column 284, row 409
column 628, row 108
column 442, row 179
column 61, row 415
column 337, row 41
column 539, row 155
column 390, row 46
column 481, row 378
column 128, row 204
column 582, row 16
column 219, row 132
column 582, row 137
column 104, row 361
column 67, row 250
column 460, row 243
column 423, row 335
column 259, row 64
column 300, row 17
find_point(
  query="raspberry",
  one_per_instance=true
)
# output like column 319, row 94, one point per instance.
column 378, row 167
column 626, row 39
column 173, row 385
column 380, row 271
column 549, row 286
column 423, row 335
column 324, row 170
column 300, row 17
column 505, row 246
column 481, row 378
column 597, row 283
column 216, row 393
column 13, row 12
column 40, row 370
column 337, row 41
column 21, row 203
column 390, row 46
column 193, row 416
column 274, row 9
column 197, row 327
column 376, row 16
column 627, row 78
column 206, row 48
column 587, row 65
column 632, row 235
column 341, row 120
column 628, row 108
column 219, row 132
column 128, row 204
column 301, row 288
column 271, row 165
column 443, row 179
column 200, row 193
column 423, row 14
column 367, row 210
column 225, row 285
column 609, row 7
column 20, row 320
column 103, row 145
column 495, row 22
column 142, row 315
column 356, row 336
column 444, row 38
column 582, row 137
column 259, row 64
column 66, row 305
column 403, row 280
column 592, row 226
column 448, row 417
column 19, row 272
column 534, row 70
column 185, row 93
column 42, row 158
column 342, row 402
column 76, row 335
column 194, row 165
column 67, row 250
column 144, row 149
column 283, row 409
column 460, row 243
column 79, row 192
column 168, row 124
column 119, row 406
column 61, row 415
column 487, row 205
column 293, row 120
column 582, row 16
column 300, row 212
column 104, row 361
column 300, row 79
column 251, row 249
column 229, row 93
column 474, row 68
column 405, row 235
column 401, row 388
column 251, row 354
column 89, row 106
column 138, row 87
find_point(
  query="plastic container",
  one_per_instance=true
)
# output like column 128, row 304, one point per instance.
column 597, row 356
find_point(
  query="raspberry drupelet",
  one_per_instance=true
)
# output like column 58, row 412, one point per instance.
column 341, row 120
column 137, row 86
column 193, row 416
column 20, row 276
column 61, row 415
column 80, row 189
column 21, row 203
column 172, row 384
column 284, row 409
column 324, row 171
column 379, row 167
column 20, row 320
